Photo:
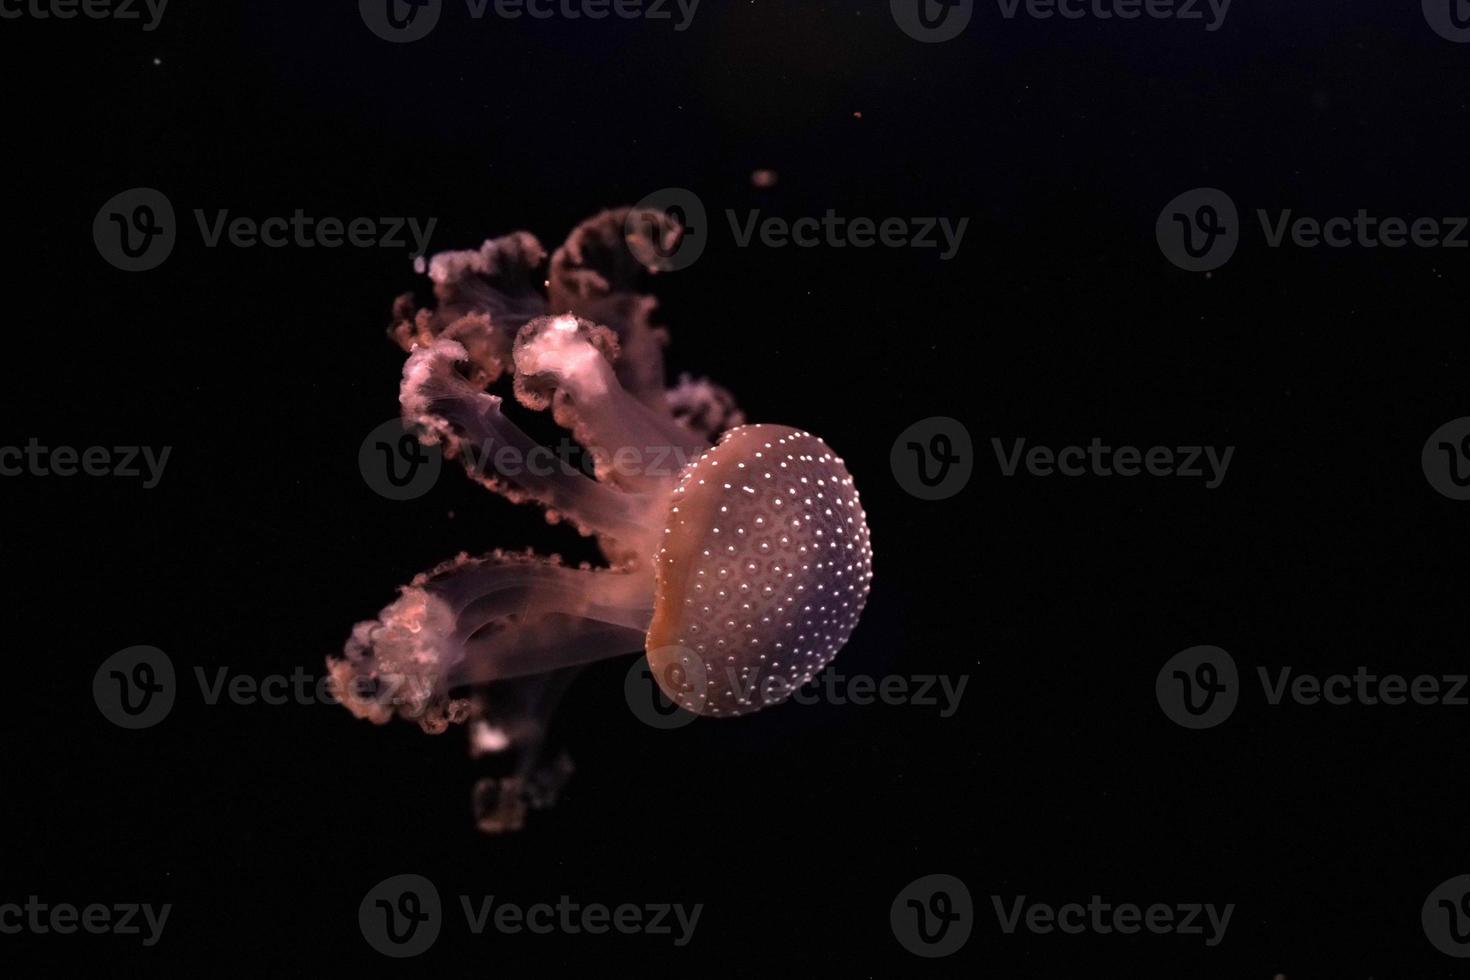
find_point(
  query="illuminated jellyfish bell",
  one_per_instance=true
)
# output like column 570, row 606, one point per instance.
column 762, row 573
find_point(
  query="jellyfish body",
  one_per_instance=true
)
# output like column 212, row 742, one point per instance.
column 737, row 555
column 762, row 572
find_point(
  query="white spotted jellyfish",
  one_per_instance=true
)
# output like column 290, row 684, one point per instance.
column 737, row 556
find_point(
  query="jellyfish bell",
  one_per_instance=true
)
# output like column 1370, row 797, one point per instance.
column 762, row 573
column 741, row 571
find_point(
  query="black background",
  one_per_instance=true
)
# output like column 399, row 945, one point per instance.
column 1059, row 320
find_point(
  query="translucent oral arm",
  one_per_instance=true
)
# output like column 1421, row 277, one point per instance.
column 596, row 275
column 516, row 618
column 542, row 644
column 556, row 359
column 478, row 590
column 497, row 451
column 473, row 621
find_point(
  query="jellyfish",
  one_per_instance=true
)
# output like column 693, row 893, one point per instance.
column 736, row 556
